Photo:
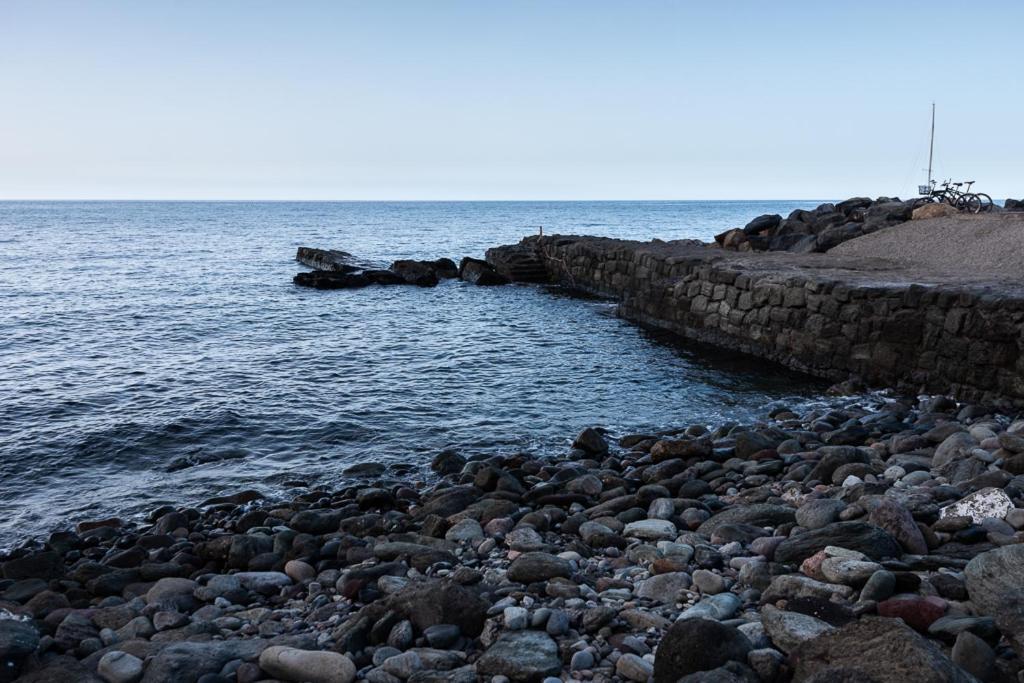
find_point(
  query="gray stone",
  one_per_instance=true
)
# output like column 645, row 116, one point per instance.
column 879, row 587
column 708, row 582
column 634, row 668
column 119, row 667
column 788, row 630
column 758, row 514
column 652, row 530
column 815, row 514
column 189, row 661
column 311, row 666
column 716, row 607
column 995, row 584
column 522, row 656
column 663, row 588
column 879, row 650
column 956, row 446
column 18, row 639
column 532, row 567
column 889, row 515
column 973, row 655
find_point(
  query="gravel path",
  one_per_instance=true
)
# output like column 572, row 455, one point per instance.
column 986, row 245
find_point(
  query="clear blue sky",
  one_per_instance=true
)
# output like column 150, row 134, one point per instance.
column 430, row 99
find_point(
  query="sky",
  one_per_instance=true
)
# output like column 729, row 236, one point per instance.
column 436, row 99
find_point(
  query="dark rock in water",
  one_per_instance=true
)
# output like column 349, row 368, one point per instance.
column 447, row 462
column 433, row 602
column 759, row 514
column 445, row 268
column 320, row 279
column 326, row 259
column 479, row 272
column 878, row 649
column 419, row 273
column 383, row 277
column 591, row 441
column 866, row 538
column 995, row 582
column 518, row 263
column 521, row 656
column 693, row 645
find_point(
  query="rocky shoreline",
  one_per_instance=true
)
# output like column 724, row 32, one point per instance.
column 879, row 543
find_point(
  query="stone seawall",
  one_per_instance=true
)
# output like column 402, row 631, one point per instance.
column 829, row 316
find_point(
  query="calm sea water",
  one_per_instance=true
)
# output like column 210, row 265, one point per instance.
column 137, row 334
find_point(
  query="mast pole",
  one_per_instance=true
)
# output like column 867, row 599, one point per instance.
column 931, row 147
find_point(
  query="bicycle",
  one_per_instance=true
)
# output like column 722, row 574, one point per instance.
column 950, row 193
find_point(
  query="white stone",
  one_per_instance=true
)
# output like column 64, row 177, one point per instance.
column 852, row 480
column 990, row 502
column 652, row 530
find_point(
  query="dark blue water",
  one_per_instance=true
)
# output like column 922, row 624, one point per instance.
column 134, row 335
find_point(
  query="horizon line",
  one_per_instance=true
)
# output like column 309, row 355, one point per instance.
column 424, row 201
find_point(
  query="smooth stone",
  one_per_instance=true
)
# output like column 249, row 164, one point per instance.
column 815, row 514
column 299, row 571
column 651, row 530
column 973, row 655
column 119, row 667
column 633, row 668
column 537, row 566
column 708, row 582
column 717, row 607
column 310, row 666
column 515, row 618
column 879, row 587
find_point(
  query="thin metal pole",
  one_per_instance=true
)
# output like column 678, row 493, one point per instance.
column 931, row 147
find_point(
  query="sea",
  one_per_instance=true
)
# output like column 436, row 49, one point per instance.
column 158, row 352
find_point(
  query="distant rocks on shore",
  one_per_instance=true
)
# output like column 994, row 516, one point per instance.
column 857, row 543
column 335, row 269
column 820, row 229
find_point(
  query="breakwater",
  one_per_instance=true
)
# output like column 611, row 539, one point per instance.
column 830, row 316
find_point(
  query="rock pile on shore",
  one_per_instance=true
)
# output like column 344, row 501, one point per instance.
column 335, row 269
column 848, row 544
column 818, row 230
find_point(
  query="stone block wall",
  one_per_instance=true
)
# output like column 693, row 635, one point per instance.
column 814, row 313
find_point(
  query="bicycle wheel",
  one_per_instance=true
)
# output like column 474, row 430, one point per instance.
column 921, row 201
column 986, row 201
column 971, row 203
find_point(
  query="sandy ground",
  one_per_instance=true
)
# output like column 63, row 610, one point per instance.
column 987, row 245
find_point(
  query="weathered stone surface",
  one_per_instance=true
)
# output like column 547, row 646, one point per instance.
column 889, row 515
column 995, row 584
column 759, row 514
column 694, row 645
column 988, row 503
column 522, row 656
column 432, row 602
column 866, row 538
column 880, row 650
column 789, row 629
column 530, row 567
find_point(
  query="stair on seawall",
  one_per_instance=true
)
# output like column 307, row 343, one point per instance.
column 518, row 263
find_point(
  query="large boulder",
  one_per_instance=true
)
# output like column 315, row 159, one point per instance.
column 420, row 273
column 18, row 640
column 879, row 650
column 759, row 514
column 478, row 272
column 933, row 210
column 432, row 602
column 189, row 661
column 860, row 536
column 693, row 645
column 995, row 584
